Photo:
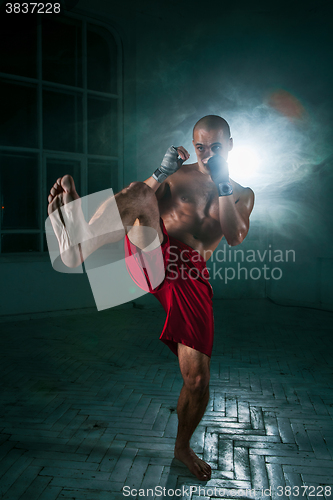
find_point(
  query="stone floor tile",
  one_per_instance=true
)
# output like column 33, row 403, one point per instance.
column 93, row 408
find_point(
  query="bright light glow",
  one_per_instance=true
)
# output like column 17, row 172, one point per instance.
column 243, row 162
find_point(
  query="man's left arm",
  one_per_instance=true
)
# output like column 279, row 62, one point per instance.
column 234, row 212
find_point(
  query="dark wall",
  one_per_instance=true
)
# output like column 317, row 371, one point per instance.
column 266, row 68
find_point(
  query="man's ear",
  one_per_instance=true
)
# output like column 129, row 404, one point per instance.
column 231, row 143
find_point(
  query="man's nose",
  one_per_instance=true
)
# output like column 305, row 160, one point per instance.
column 209, row 154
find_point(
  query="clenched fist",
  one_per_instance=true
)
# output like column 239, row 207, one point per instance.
column 172, row 161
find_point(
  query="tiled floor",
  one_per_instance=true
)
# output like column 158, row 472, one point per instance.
column 89, row 406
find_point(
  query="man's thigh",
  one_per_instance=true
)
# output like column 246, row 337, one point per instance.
column 145, row 230
column 146, row 234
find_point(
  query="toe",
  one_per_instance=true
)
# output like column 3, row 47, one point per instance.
column 207, row 468
column 57, row 187
column 199, row 473
column 67, row 183
column 203, row 471
column 206, row 471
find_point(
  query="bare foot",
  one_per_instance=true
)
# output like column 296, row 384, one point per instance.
column 198, row 467
column 63, row 192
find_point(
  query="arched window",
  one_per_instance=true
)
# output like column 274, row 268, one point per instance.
column 60, row 112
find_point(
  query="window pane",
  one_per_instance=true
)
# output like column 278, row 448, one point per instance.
column 56, row 168
column 62, row 51
column 62, row 121
column 102, row 175
column 19, row 243
column 18, row 112
column 101, row 60
column 102, row 127
column 19, row 191
column 18, row 44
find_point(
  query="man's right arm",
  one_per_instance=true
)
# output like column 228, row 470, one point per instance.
column 153, row 183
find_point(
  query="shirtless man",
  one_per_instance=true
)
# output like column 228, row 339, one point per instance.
column 193, row 206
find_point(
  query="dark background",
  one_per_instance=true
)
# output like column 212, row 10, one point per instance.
column 182, row 60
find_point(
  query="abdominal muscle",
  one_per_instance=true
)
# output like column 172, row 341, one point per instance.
column 201, row 234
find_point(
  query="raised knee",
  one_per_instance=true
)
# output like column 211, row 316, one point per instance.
column 138, row 188
column 198, row 383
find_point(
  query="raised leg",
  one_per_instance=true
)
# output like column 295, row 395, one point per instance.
column 192, row 402
column 136, row 205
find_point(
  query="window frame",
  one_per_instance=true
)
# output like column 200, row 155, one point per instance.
column 84, row 157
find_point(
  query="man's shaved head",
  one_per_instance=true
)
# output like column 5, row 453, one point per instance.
column 213, row 122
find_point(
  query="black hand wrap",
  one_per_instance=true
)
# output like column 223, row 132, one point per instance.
column 219, row 172
column 170, row 164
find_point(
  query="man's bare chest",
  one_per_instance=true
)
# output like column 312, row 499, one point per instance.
column 190, row 209
column 197, row 197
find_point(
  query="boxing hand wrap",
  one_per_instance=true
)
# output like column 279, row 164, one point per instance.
column 219, row 172
column 170, row 164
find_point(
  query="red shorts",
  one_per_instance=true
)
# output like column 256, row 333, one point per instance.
column 185, row 293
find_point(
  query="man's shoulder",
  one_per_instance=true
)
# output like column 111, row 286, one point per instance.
column 188, row 168
column 187, row 173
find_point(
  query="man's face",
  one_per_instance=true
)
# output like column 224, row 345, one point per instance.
column 211, row 142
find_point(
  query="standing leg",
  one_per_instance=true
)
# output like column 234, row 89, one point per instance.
column 193, row 400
